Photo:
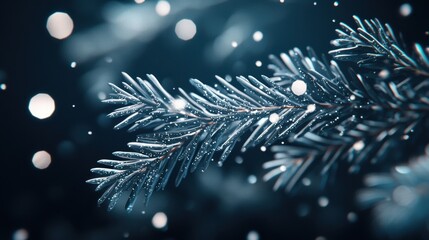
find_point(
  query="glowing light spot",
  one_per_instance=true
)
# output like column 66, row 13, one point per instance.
column 274, row 117
column 306, row 182
column 3, row 86
column 311, row 108
column 185, row 29
column 252, row 179
column 73, row 64
column 20, row 234
column 139, row 1
column 41, row 106
column 163, row 8
column 283, row 168
column 258, row 63
column 352, row 217
column 234, row 44
column 299, row 87
column 402, row 169
column 59, row 25
column 89, row 132
column 41, row 159
column 403, row 195
column 263, row 148
column 252, row 235
column 178, row 104
column 336, row 3
column 159, row 220
column 405, row 10
column 282, row 1
column 315, row 3
column 257, row 36
column 352, row 97
column 359, row 145
column 323, row 201
column 384, row 74
column 101, row 95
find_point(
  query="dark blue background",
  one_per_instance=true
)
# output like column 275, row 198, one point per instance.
column 56, row 203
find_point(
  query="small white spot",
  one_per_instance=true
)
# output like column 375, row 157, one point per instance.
column 405, row 10
column 283, row 168
column 384, row 74
column 178, row 104
column 352, row 217
column 89, row 132
column 159, row 220
column 252, row 179
column 299, row 87
column 402, row 169
column 139, row 1
column 405, row 137
column 323, row 201
column 3, row 86
column 41, row 106
column 252, row 235
column 59, row 25
column 41, row 159
column 306, row 182
column 73, row 106
column 315, row 3
column 403, row 195
column 20, row 234
column 311, row 108
column 336, row 4
column 234, row 44
column 359, row 145
column 163, row 8
column 352, row 97
column 185, row 29
column 257, row 36
column 101, row 95
column 274, row 118
column 239, row 160
column 258, row 63
column 73, row 64
column 263, row 148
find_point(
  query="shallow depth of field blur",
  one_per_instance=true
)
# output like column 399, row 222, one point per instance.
column 56, row 60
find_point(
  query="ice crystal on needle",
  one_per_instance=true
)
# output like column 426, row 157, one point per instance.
column 322, row 116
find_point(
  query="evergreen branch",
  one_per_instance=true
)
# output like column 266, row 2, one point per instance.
column 375, row 46
column 375, row 120
column 322, row 116
column 400, row 199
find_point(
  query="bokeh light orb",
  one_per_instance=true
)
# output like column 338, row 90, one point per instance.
column 257, row 36
column 163, row 8
column 41, row 160
column 159, row 220
column 41, row 106
column 405, row 10
column 299, row 87
column 59, row 25
column 185, row 29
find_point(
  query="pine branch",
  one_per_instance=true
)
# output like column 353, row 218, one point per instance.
column 188, row 130
column 400, row 199
column 375, row 46
column 322, row 116
column 376, row 119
